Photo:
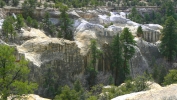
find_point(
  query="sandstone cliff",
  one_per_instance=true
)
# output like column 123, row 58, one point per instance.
column 68, row 59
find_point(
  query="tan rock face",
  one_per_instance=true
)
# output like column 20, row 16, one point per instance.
column 62, row 56
column 156, row 92
column 29, row 97
column 34, row 49
column 87, row 15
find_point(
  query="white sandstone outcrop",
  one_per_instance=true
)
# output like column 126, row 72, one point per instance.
column 33, row 48
column 119, row 21
column 32, row 33
column 40, row 43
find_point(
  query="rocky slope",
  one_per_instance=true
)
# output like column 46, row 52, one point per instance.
column 155, row 93
column 68, row 59
column 103, row 26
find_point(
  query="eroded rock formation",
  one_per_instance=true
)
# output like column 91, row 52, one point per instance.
column 69, row 59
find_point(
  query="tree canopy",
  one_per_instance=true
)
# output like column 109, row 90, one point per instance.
column 135, row 16
column 20, row 21
column 128, row 50
column 122, row 48
column 8, row 28
column 117, row 59
column 168, row 46
column 66, row 23
column 13, row 75
column 139, row 31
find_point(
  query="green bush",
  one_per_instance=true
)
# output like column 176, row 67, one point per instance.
column 97, row 89
column 171, row 77
column 158, row 74
column 35, row 23
column 67, row 94
column 135, row 85
column 92, row 98
column 140, row 83
column 105, row 26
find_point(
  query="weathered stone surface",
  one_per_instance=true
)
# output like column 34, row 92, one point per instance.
column 56, row 53
column 145, row 51
column 28, row 97
column 146, row 55
column 161, row 93
column 2, row 42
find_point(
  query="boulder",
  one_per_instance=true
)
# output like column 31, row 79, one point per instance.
column 28, row 97
column 163, row 93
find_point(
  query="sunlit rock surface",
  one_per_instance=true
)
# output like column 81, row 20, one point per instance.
column 160, row 93
column 28, row 97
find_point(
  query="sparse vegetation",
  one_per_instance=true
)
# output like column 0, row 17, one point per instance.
column 135, row 85
column 171, row 77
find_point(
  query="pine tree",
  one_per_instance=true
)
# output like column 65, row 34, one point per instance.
column 15, row 2
column 139, row 31
column 8, row 27
column 170, row 9
column 66, row 23
column 13, row 75
column 2, row 3
column 135, row 16
column 117, row 59
column 28, row 7
column 92, row 68
column 29, row 21
column 20, row 22
column 128, row 50
column 77, row 86
column 46, row 20
column 168, row 46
